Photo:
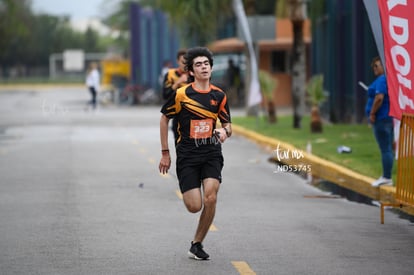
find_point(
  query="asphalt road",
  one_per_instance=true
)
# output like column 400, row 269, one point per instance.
column 80, row 193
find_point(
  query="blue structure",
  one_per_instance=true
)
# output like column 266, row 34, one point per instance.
column 342, row 49
column 153, row 40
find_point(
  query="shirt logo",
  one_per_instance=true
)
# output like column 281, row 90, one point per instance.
column 213, row 102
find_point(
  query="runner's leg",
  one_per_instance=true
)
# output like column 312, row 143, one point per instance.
column 210, row 187
column 192, row 200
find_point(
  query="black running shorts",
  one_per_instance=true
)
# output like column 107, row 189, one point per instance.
column 191, row 171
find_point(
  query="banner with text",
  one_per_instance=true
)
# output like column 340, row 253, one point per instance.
column 397, row 18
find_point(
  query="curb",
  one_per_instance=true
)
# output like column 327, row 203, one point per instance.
column 322, row 168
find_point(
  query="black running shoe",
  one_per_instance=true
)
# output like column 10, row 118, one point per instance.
column 196, row 252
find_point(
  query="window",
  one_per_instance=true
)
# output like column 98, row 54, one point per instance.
column 278, row 62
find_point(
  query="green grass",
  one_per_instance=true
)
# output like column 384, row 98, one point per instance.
column 365, row 157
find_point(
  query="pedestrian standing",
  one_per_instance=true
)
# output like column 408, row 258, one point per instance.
column 93, row 82
column 197, row 107
column 377, row 110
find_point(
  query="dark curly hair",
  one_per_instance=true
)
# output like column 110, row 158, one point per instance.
column 192, row 53
column 180, row 53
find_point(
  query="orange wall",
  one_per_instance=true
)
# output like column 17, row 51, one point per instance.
column 284, row 28
column 282, row 94
column 284, row 33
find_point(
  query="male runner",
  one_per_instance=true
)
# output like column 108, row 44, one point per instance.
column 174, row 79
column 197, row 106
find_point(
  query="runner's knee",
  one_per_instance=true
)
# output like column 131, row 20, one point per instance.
column 193, row 207
column 192, row 200
column 210, row 199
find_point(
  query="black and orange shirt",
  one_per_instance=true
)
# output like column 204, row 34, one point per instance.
column 170, row 78
column 197, row 113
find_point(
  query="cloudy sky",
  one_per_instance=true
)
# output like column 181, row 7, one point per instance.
column 83, row 13
column 77, row 9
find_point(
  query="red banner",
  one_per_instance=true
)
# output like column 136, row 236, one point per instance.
column 397, row 18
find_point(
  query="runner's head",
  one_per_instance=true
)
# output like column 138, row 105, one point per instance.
column 197, row 52
column 181, row 60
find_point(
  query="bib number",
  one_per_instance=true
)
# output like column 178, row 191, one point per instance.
column 201, row 128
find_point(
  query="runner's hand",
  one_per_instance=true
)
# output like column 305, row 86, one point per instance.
column 221, row 134
column 182, row 79
column 165, row 164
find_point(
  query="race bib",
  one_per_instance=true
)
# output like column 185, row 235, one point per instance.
column 201, row 128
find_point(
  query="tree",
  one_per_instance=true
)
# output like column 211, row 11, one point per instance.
column 197, row 19
column 91, row 41
column 267, row 87
column 297, row 14
column 27, row 40
column 119, row 20
column 15, row 18
column 316, row 98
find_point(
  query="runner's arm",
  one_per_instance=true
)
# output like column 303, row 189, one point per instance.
column 165, row 162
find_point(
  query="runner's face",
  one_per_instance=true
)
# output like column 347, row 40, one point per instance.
column 181, row 63
column 202, row 68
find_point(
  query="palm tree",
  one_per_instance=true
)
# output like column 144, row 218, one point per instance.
column 316, row 98
column 297, row 14
column 267, row 87
column 197, row 19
